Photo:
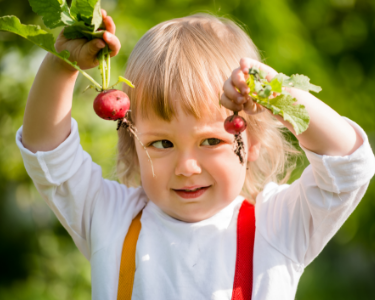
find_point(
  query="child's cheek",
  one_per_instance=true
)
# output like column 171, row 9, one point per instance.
column 228, row 173
column 154, row 186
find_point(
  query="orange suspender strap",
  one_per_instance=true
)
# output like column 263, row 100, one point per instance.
column 127, row 267
column 243, row 277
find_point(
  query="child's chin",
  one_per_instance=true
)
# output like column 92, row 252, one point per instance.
column 194, row 217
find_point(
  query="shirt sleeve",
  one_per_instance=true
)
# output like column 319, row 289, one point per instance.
column 299, row 219
column 73, row 187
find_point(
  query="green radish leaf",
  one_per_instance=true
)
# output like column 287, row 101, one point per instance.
column 266, row 92
column 261, row 74
column 251, row 83
column 54, row 13
column 128, row 82
column 283, row 105
column 276, row 85
column 88, row 16
column 33, row 33
column 298, row 81
column 295, row 114
column 73, row 32
column 258, row 86
column 78, row 30
column 87, row 11
column 303, row 82
column 97, row 18
column 67, row 19
column 254, row 71
column 41, row 38
column 283, row 79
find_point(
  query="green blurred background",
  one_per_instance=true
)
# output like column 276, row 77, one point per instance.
column 331, row 41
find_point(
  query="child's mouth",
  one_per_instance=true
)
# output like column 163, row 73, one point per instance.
column 188, row 194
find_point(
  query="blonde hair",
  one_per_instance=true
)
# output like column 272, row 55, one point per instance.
column 193, row 56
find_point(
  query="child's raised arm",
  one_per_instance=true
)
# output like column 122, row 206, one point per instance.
column 327, row 134
column 48, row 110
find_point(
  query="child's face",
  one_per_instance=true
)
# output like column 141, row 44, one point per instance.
column 189, row 153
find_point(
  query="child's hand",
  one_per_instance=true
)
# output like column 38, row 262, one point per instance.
column 83, row 51
column 236, row 92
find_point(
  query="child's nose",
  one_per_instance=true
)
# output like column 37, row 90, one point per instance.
column 187, row 166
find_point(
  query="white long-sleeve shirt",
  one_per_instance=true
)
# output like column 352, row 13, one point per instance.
column 177, row 260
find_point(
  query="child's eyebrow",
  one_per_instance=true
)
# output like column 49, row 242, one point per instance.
column 197, row 133
column 153, row 133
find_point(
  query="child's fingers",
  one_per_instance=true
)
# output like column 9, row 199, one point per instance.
column 113, row 42
column 92, row 47
column 239, row 81
column 225, row 101
column 246, row 63
column 104, row 13
column 109, row 24
column 250, row 107
column 232, row 93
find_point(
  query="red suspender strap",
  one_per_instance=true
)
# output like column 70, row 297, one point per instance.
column 243, row 277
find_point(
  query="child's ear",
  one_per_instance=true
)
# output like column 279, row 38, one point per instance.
column 253, row 151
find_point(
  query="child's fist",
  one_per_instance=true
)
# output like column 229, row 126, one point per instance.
column 84, row 52
column 236, row 92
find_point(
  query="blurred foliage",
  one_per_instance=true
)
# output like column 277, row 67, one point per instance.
column 331, row 41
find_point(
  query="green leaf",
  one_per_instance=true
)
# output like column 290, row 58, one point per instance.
column 33, row 33
column 296, row 115
column 78, row 30
column 283, row 79
column 87, row 11
column 54, row 13
column 73, row 32
column 298, row 81
column 303, row 82
column 97, row 18
column 259, row 74
column 41, row 38
column 254, row 71
column 266, row 92
column 67, row 19
column 283, row 104
column 276, row 85
column 258, row 86
column 251, row 83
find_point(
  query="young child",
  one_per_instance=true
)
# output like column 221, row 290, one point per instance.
column 187, row 244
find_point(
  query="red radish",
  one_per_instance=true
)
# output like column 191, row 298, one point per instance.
column 111, row 104
column 235, row 124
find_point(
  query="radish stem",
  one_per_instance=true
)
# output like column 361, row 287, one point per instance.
column 82, row 72
column 104, row 66
column 108, row 65
column 149, row 158
column 130, row 127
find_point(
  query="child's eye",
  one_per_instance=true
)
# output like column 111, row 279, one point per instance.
column 211, row 142
column 162, row 144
